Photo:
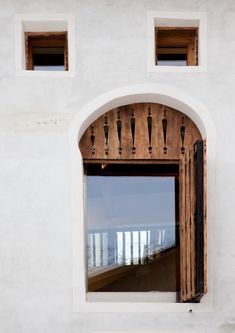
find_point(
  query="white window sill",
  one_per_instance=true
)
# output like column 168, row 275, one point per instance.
column 177, row 69
column 45, row 74
column 159, row 330
column 141, row 297
column 190, row 330
column 136, row 304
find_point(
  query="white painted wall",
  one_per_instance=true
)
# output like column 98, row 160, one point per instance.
column 36, row 218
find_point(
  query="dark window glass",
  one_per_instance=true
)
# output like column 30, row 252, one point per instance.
column 132, row 237
column 46, row 51
column 48, row 58
column 172, row 57
column 176, row 46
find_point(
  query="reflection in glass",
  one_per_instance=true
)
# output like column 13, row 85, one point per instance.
column 172, row 56
column 172, row 62
column 131, row 224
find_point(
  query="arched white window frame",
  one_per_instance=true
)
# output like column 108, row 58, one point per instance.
column 154, row 93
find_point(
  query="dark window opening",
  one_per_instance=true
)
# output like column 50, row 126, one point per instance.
column 168, row 56
column 176, row 46
column 133, row 227
column 45, row 58
column 47, row 51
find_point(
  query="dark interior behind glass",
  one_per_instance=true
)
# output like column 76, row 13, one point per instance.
column 48, row 58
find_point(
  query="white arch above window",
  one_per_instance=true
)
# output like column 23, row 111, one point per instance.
column 148, row 92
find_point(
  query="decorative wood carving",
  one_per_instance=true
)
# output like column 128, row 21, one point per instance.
column 133, row 131
column 92, row 140
column 119, row 131
column 164, row 128
column 150, row 122
column 106, row 134
column 182, row 134
column 139, row 131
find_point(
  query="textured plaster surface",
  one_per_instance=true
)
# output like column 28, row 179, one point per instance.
column 35, row 113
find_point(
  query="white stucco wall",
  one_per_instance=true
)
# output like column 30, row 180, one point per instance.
column 36, row 218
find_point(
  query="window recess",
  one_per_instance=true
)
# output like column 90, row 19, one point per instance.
column 176, row 46
column 46, row 51
column 160, row 142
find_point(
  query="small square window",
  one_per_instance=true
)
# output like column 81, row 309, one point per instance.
column 176, row 46
column 46, row 51
column 176, row 42
column 45, row 45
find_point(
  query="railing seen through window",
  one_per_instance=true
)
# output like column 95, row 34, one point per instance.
column 132, row 226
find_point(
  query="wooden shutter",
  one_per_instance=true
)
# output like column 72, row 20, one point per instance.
column 193, row 224
column 200, row 218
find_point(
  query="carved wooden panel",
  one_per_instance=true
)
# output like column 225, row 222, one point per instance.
column 139, row 131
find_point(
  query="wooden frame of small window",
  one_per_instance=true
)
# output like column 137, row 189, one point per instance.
column 175, row 40
column 45, row 39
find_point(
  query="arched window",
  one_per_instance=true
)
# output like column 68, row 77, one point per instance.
column 146, row 204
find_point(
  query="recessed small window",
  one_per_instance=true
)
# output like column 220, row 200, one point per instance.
column 47, row 51
column 176, row 46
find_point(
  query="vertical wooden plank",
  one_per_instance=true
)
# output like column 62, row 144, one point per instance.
column 113, row 144
column 156, row 131
column 147, row 151
column 182, row 230
column 187, row 224
column 26, row 47
column 191, row 53
column 100, row 139
column 28, row 52
column 192, row 229
column 141, row 131
column 66, row 62
column 125, row 114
